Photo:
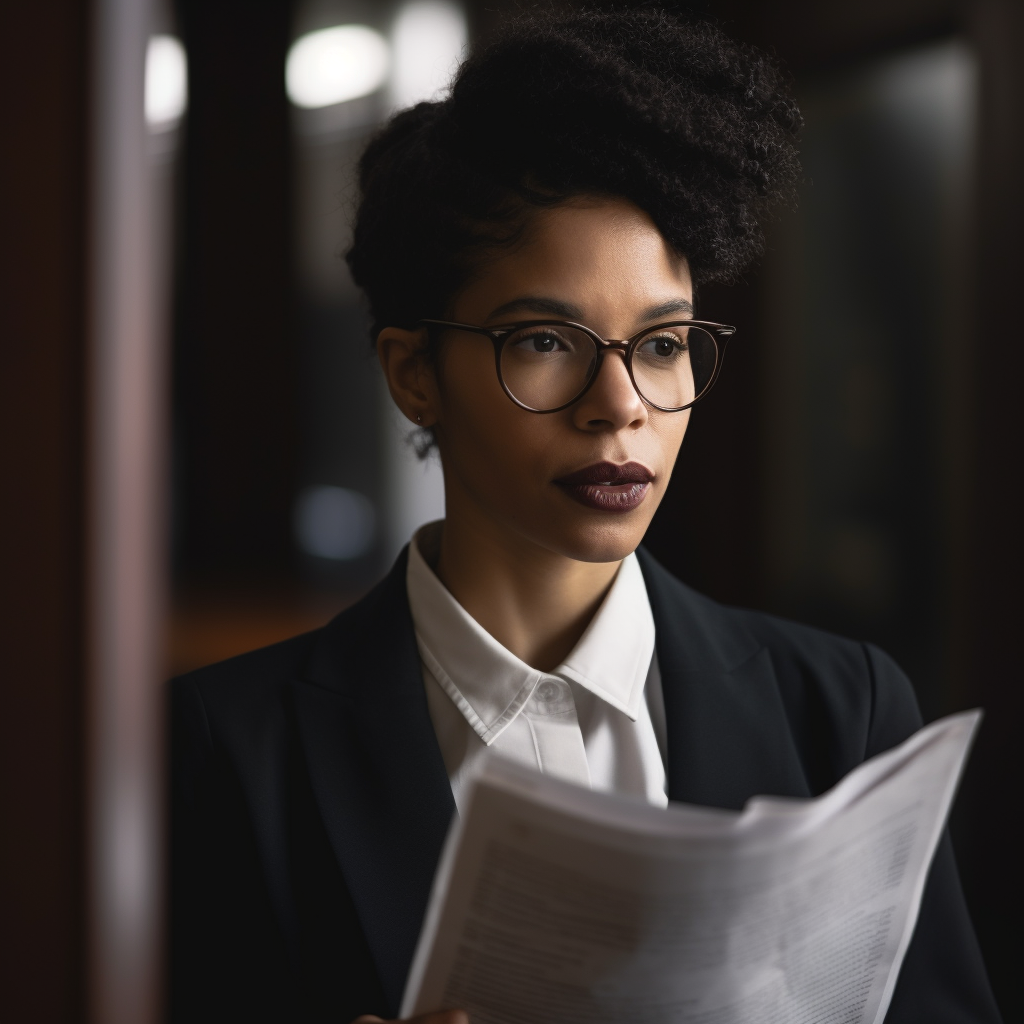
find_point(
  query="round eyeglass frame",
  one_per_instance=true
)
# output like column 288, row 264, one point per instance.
column 720, row 335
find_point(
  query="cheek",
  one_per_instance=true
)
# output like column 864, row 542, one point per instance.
column 673, row 433
column 486, row 426
column 478, row 420
column 471, row 397
column 669, row 429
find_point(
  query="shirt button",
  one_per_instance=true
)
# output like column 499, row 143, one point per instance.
column 548, row 692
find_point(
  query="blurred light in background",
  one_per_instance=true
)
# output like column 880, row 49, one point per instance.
column 334, row 65
column 166, row 82
column 351, row 434
column 429, row 39
column 334, row 522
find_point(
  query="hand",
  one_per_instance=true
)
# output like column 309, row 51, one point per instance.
column 440, row 1017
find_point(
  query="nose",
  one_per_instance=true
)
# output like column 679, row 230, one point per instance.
column 611, row 403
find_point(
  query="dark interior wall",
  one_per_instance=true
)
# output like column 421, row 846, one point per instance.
column 708, row 530
column 991, row 550
column 43, row 82
column 810, row 35
column 235, row 363
column 864, row 326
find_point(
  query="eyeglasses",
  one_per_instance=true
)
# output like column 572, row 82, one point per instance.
column 547, row 365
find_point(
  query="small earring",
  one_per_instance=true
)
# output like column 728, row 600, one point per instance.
column 419, row 418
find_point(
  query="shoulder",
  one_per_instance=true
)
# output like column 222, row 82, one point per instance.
column 253, row 678
column 243, row 700
column 854, row 679
column 235, row 709
column 736, row 633
column 848, row 686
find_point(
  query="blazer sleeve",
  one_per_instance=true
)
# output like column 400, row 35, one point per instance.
column 943, row 979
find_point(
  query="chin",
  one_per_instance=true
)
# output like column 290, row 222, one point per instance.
column 592, row 535
column 608, row 541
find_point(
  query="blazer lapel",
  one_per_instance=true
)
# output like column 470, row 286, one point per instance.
column 376, row 769
column 728, row 733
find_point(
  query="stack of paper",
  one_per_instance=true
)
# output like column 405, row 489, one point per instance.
column 557, row 905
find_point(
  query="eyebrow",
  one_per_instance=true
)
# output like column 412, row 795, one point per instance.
column 668, row 308
column 567, row 311
column 538, row 304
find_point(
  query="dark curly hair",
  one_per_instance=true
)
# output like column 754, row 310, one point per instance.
column 697, row 130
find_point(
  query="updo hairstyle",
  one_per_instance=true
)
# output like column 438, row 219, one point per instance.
column 695, row 129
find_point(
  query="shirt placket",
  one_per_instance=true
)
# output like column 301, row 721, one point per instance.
column 551, row 716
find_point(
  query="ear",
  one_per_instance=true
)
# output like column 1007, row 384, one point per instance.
column 407, row 368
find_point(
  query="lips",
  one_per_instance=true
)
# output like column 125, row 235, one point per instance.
column 608, row 487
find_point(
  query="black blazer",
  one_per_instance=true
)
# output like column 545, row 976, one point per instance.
column 310, row 800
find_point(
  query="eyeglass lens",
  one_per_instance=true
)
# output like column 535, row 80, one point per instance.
column 547, row 366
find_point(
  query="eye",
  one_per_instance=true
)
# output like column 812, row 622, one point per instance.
column 540, row 342
column 664, row 346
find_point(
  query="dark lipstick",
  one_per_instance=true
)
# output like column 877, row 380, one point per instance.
column 608, row 487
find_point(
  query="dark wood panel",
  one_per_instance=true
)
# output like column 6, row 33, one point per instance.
column 235, row 360
column 44, row 90
column 992, row 548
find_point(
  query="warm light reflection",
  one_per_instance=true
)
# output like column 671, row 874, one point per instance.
column 337, row 64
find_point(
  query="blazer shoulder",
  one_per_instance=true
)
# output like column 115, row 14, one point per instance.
column 254, row 670
column 801, row 645
column 247, row 687
column 855, row 676
column 743, row 632
column 822, row 677
column 246, row 696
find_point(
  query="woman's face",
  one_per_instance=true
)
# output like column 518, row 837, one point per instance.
column 550, row 479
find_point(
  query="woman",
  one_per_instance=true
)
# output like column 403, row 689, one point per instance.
column 529, row 248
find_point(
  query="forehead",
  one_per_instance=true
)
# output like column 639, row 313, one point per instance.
column 604, row 256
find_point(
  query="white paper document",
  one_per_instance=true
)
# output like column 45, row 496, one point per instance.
column 553, row 904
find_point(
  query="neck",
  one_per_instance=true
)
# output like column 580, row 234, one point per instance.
column 535, row 602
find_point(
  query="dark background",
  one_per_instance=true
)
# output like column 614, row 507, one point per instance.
column 857, row 466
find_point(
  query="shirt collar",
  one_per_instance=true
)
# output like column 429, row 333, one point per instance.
column 490, row 685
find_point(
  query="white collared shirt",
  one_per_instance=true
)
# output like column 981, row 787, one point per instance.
column 597, row 719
